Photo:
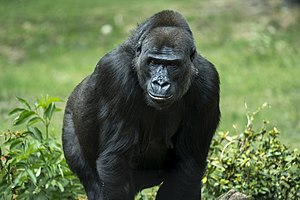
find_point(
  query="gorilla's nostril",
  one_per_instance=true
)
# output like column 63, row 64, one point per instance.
column 165, row 86
column 155, row 85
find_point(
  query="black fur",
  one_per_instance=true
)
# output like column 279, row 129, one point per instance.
column 119, row 139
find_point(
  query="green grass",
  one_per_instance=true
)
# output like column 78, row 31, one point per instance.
column 47, row 47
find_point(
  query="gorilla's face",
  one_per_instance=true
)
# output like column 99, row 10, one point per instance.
column 164, row 65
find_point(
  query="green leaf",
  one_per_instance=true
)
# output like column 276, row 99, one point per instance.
column 31, row 175
column 24, row 102
column 34, row 120
column 37, row 174
column 288, row 158
column 21, row 165
column 60, row 186
column 57, row 109
column 16, row 110
column 60, row 170
column 47, row 185
column 204, row 180
column 23, row 117
column 36, row 133
column 15, row 144
column 56, row 159
column 19, row 179
column 49, row 110
column 54, row 99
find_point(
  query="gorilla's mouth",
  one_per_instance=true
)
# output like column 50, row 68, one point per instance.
column 157, row 97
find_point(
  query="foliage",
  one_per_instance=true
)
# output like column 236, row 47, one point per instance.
column 32, row 163
column 41, row 113
column 147, row 194
column 253, row 162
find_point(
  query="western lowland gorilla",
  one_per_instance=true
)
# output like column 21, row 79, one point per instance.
column 145, row 116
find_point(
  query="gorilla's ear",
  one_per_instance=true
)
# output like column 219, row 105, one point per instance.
column 193, row 53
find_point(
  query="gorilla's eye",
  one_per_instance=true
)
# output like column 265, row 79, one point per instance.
column 151, row 62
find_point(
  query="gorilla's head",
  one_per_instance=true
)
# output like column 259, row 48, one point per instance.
column 164, row 64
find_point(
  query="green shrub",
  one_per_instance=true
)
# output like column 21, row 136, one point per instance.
column 32, row 163
column 253, row 162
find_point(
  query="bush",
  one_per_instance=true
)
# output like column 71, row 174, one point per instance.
column 253, row 162
column 32, row 163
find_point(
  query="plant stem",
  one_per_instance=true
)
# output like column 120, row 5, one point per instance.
column 47, row 129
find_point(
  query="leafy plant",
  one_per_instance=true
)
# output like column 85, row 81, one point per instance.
column 41, row 112
column 147, row 194
column 32, row 163
column 253, row 162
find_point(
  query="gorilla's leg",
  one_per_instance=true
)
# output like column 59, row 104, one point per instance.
column 147, row 178
column 116, row 176
column 182, row 183
column 88, row 177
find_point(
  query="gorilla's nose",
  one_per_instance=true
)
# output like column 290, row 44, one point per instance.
column 161, row 86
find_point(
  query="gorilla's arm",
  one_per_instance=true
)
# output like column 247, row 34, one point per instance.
column 95, row 134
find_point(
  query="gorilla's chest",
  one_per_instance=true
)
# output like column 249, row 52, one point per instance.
column 155, row 147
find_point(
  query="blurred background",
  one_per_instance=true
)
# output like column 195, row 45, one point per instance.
column 47, row 47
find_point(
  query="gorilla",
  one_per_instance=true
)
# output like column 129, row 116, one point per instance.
column 145, row 116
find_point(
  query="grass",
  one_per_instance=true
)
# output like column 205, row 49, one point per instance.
column 47, row 47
